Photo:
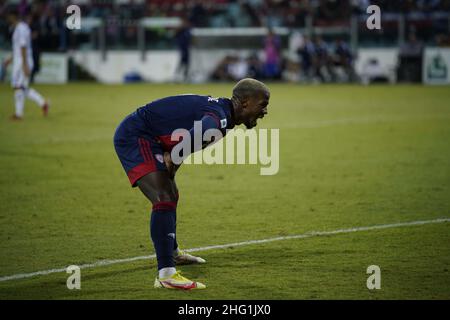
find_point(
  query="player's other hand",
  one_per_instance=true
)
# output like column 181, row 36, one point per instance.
column 171, row 167
column 7, row 62
column 26, row 70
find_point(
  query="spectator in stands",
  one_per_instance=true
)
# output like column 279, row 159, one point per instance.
column 274, row 15
column 198, row 16
column 238, row 15
column 412, row 48
column 221, row 73
column 291, row 71
column 252, row 14
column 360, row 6
column 238, row 69
column 272, row 51
column 183, row 39
column 232, row 68
column 254, row 67
column 306, row 54
column 343, row 57
column 428, row 5
column 36, row 39
column 322, row 61
column 410, row 60
column 333, row 12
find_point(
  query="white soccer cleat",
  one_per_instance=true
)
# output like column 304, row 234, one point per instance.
column 185, row 258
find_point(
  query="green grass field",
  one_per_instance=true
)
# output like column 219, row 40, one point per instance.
column 350, row 156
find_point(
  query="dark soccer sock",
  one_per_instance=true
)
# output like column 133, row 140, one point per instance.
column 175, row 244
column 162, row 230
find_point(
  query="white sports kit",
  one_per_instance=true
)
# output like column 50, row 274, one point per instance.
column 21, row 38
column 20, row 82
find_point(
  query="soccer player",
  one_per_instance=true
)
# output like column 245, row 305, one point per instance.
column 143, row 142
column 22, row 60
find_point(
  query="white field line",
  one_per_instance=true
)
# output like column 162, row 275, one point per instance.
column 229, row 245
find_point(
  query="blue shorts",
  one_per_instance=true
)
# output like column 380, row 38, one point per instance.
column 139, row 153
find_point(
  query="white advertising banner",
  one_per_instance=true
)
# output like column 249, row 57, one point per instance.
column 54, row 68
column 436, row 66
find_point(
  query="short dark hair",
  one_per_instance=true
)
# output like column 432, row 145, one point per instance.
column 249, row 87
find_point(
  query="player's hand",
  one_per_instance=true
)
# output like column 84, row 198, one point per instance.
column 26, row 70
column 7, row 62
column 171, row 167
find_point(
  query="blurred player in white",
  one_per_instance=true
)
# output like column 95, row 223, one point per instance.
column 22, row 61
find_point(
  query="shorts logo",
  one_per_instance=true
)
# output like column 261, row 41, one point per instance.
column 159, row 157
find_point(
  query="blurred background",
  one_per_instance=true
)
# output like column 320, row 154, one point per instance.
column 305, row 41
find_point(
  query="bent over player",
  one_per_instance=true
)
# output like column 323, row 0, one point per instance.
column 22, row 60
column 143, row 144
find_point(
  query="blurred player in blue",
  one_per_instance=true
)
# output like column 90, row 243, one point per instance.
column 143, row 142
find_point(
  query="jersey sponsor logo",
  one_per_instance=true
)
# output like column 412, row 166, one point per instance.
column 223, row 123
column 213, row 99
column 159, row 157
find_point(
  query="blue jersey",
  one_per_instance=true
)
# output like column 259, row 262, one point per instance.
column 161, row 117
column 142, row 138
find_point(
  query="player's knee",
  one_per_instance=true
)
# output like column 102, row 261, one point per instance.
column 164, row 206
column 166, row 196
column 19, row 92
column 165, row 202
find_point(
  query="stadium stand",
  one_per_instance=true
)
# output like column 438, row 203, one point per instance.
column 325, row 33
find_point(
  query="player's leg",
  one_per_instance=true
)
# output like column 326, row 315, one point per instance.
column 19, row 103
column 177, row 196
column 143, row 162
column 18, row 84
column 182, row 257
column 158, row 188
column 37, row 98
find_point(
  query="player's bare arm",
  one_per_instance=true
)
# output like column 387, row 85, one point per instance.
column 25, row 66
